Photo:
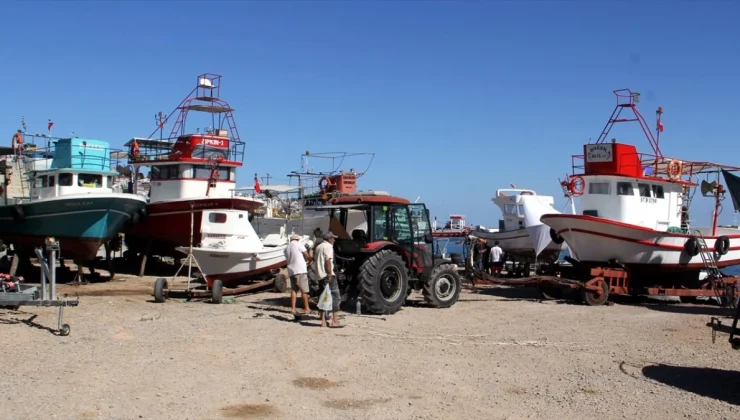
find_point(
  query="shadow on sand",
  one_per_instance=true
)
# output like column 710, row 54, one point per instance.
column 723, row 385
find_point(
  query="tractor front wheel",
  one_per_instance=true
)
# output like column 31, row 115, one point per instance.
column 383, row 283
column 443, row 287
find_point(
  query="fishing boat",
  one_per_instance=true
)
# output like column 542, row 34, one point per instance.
column 189, row 173
column 635, row 206
column 454, row 227
column 297, row 206
column 231, row 251
column 68, row 197
column 520, row 231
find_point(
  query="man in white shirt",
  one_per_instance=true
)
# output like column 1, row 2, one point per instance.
column 297, row 257
column 497, row 259
column 324, row 257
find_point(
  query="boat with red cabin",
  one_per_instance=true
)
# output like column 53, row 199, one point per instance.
column 189, row 174
column 635, row 208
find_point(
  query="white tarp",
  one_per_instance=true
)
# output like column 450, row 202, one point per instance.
column 539, row 232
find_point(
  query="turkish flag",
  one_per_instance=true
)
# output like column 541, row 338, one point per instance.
column 257, row 188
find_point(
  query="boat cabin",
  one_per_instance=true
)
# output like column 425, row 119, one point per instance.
column 511, row 202
column 617, row 183
column 196, row 165
column 78, row 166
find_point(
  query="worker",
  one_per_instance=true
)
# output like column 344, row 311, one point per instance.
column 324, row 266
column 298, row 259
column 17, row 143
column 497, row 259
column 479, row 253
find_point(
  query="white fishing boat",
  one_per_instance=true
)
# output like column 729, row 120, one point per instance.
column 520, row 232
column 635, row 206
column 231, row 251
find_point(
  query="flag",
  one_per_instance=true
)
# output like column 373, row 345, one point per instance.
column 257, row 188
column 51, row 124
column 660, row 126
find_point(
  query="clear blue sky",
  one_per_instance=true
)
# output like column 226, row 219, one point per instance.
column 456, row 98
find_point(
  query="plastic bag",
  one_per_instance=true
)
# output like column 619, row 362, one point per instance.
column 325, row 301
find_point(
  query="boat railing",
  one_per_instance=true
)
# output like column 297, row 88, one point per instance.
column 650, row 165
column 35, row 158
column 163, row 150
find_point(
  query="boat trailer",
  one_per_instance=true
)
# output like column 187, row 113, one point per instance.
column 14, row 294
column 197, row 289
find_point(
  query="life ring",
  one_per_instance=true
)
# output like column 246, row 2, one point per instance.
column 557, row 239
column 577, row 185
column 674, row 169
column 324, row 183
column 691, row 247
column 722, row 245
column 135, row 150
column 17, row 141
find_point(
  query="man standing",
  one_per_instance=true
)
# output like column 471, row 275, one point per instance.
column 497, row 260
column 324, row 257
column 297, row 257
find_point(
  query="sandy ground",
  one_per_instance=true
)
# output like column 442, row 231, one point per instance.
column 498, row 354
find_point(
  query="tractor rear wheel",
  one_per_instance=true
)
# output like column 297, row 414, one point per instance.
column 383, row 283
column 443, row 287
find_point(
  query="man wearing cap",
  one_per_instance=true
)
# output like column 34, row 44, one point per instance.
column 297, row 257
column 324, row 257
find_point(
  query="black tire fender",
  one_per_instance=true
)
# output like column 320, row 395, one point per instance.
column 557, row 239
column 691, row 247
column 722, row 245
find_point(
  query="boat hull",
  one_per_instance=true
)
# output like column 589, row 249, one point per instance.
column 595, row 241
column 233, row 267
column 81, row 222
column 168, row 223
column 519, row 244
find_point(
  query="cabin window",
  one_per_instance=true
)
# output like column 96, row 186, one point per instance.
column 109, row 182
column 658, row 191
column 217, row 218
column 625, row 188
column 644, row 190
column 510, row 209
column 90, row 180
column 204, row 172
column 593, row 213
column 65, row 180
column 163, row 172
column 521, row 209
column 41, row 181
column 598, row 188
column 51, row 180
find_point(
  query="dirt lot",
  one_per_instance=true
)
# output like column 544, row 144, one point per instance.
column 498, row 354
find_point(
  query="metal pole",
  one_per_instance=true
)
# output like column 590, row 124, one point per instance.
column 43, row 273
column 53, row 274
column 190, row 249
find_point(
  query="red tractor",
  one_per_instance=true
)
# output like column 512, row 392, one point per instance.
column 385, row 250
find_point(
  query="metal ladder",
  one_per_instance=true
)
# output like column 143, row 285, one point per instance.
column 715, row 276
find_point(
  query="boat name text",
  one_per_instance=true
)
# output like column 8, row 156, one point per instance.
column 649, row 200
column 598, row 153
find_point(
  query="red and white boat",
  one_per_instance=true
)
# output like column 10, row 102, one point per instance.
column 231, row 251
column 635, row 206
column 189, row 173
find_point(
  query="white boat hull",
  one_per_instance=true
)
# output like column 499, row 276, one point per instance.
column 232, row 266
column 595, row 241
column 519, row 243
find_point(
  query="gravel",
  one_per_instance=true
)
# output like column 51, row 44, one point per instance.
column 497, row 354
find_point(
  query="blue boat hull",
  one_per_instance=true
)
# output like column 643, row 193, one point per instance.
column 81, row 223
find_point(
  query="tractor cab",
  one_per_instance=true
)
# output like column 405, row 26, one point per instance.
column 385, row 249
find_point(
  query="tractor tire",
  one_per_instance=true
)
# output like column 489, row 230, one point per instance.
column 383, row 283
column 443, row 287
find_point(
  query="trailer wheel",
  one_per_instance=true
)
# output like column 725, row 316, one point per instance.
column 592, row 299
column 159, row 285
column 443, row 287
column 65, row 330
column 383, row 282
column 281, row 283
column 217, row 291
